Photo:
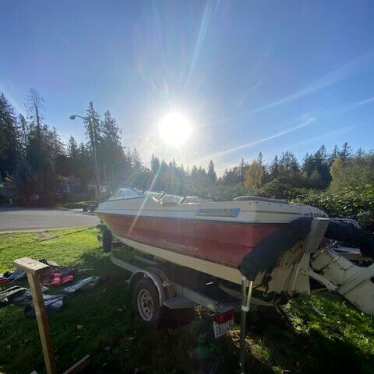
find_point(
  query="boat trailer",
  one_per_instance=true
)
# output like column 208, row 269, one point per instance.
column 154, row 288
column 174, row 296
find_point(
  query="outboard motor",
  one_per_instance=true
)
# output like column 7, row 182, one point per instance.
column 354, row 282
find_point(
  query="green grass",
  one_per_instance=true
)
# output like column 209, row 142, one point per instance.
column 316, row 334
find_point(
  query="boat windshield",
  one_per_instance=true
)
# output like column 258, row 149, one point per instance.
column 124, row 193
column 155, row 195
column 171, row 199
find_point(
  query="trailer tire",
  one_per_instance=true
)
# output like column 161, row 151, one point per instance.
column 146, row 303
column 107, row 241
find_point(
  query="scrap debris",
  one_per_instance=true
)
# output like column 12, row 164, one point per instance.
column 85, row 283
column 7, row 296
column 52, row 303
column 43, row 236
column 55, row 277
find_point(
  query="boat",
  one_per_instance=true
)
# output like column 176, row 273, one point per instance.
column 208, row 233
column 278, row 245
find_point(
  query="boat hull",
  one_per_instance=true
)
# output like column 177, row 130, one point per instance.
column 221, row 242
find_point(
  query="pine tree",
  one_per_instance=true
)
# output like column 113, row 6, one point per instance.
column 23, row 130
column 136, row 161
column 111, row 155
column 212, row 176
column 93, row 128
column 345, row 152
column 274, row 168
column 93, row 132
column 155, row 165
column 84, row 169
column 73, row 149
column 35, row 105
column 10, row 152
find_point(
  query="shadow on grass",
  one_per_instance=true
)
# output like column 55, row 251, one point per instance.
column 100, row 322
column 274, row 344
column 285, row 349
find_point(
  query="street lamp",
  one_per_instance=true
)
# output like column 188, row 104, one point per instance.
column 93, row 127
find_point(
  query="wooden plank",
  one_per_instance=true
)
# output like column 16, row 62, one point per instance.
column 79, row 366
column 31, row 266
column 42, row 320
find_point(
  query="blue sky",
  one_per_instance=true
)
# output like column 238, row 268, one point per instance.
column 250, row 76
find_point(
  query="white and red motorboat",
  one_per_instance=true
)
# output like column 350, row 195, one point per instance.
column 278, row 244
column 217, row 232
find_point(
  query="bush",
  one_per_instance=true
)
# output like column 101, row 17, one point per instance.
column 220, row 192
column 278, row 189
column 350, row 202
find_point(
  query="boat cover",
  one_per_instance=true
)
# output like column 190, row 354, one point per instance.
column 270, row 249
column 351, row 235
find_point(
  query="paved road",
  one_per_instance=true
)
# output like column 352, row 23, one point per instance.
column 16, row 219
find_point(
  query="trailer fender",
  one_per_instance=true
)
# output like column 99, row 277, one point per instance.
column 141, row 274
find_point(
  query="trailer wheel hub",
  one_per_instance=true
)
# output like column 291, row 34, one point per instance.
column 145, row 305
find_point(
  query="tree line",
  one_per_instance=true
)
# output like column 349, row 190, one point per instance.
column 34, row 159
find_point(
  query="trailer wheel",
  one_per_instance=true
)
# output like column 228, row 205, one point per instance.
column 107, row 241
column 146, row 302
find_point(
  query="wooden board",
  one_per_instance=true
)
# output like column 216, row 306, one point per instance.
column 31, row 266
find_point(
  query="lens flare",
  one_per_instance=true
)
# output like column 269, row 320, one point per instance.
column 174, row 129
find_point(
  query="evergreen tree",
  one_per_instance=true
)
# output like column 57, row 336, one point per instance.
column 243, row 167
column 315, row 169
column 35, row 105
column 93, row 132
column 10, row 152
column 345, row 152
column 23, row 130
column 83, row 169
column 72, row 149
column 135, row 158
column 155, row 164
column 274, row 168
column 211, row 172
column 111, row 155
column 43, row 144
column 93, row 128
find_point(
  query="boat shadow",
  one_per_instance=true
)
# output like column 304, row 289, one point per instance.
column 273, row 343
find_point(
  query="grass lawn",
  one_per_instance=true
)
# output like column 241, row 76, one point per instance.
column 316, row 334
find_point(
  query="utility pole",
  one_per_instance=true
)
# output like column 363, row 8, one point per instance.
column 92, row 122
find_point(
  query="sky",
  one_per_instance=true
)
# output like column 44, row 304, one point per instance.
column 250, row 76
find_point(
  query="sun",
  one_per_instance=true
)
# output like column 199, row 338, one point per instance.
column 174, row 129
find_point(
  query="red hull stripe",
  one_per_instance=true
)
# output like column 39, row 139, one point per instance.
column 221, row 242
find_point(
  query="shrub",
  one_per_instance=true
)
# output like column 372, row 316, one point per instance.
column 350, row 202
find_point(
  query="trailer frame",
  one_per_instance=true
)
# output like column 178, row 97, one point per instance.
column 177, row 296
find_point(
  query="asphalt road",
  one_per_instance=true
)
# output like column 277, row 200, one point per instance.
column 18, row 219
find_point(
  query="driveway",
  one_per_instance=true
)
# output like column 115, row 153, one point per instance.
column 18, row 219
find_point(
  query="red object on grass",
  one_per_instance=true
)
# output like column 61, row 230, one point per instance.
column 56, row 279
column 67, row 279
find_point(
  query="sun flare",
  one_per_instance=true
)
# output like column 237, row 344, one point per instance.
column 174, row 129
